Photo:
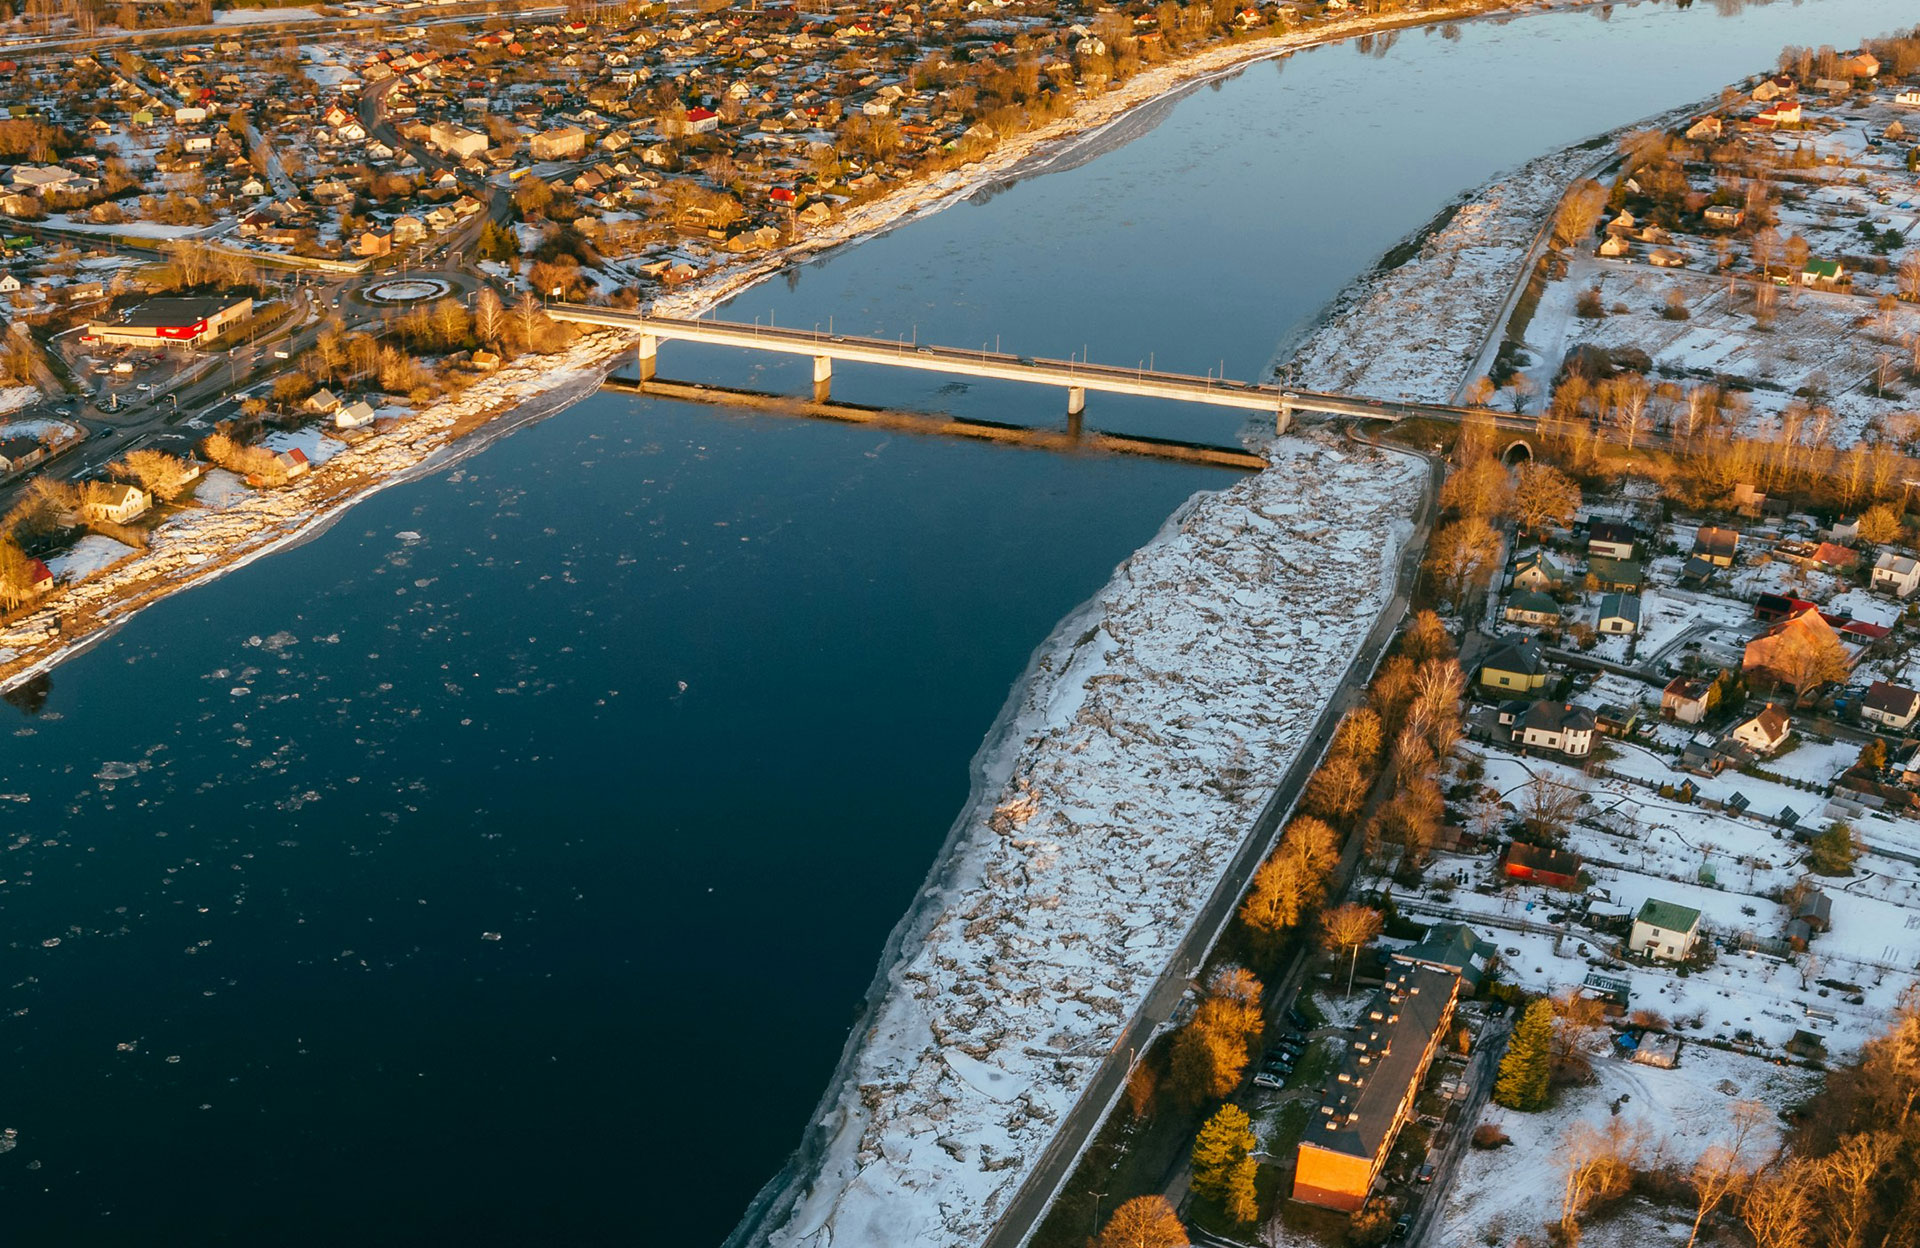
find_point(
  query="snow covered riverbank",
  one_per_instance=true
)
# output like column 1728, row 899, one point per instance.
column 1423, row 328
column 1152, row 729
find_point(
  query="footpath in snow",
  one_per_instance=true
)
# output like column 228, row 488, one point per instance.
column 1130, row 767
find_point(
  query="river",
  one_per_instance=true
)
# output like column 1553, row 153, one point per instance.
column 505, row 865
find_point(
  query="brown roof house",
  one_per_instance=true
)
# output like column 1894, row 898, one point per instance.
column 1781, row 654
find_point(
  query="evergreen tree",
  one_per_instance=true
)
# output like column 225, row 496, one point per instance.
column 497, row 243
column 1219, row 1148
column 1242, row 1201
column 1525, row 1070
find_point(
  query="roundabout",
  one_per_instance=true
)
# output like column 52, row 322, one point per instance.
column 405, row 290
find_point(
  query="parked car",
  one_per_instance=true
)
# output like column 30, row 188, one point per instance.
column 1425, row 1173
column 1292, row 1046
column 1298, row 1019
column 1268, row 1079
column 1401, row 1227
column 1277, row 1066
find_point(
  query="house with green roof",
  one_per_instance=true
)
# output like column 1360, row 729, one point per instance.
column 1527, row 607
column 1826, row 273
column 1537, row 571
column 1664, row 930
column 1451, row 947
column 1621, row 576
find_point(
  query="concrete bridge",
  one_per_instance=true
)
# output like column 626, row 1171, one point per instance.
column 1076, row 377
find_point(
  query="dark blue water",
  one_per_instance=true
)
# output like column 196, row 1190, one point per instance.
column 675, row 702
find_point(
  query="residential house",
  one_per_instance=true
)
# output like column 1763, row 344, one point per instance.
column 1891, row 706
column 1665, row 931
column 1860, row 65
column 1898, row 575
column 321, row 401
column 294, row 462
column 116, row 504
column 1686, row 699
column 1779, row 113
column 22, row 452
column 1539, row 864
column 1771, row 653
column 1617, row 719
column 1619, row 614
column 1825, row 274
column 1527, row 607
column 1453, row 948
column 1518, row 666
column 1537, row 571
column 1766, row 732
column 1909, row 97
column 1705, row 128
column 1724, row 216
column 1557, row 727
column 1716, row 546
column 1370, row 1097
column 354, row 415
column 1608, row 539
column 1704, row 756
column 1616, row 575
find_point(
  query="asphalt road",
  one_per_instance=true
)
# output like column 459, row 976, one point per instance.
column 1029, row 1206
column 1486, row 1061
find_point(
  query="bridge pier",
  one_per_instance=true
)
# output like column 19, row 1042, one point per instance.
column 1076, row 409
column 646, row 354
column 1284, row 421
column 822, row 378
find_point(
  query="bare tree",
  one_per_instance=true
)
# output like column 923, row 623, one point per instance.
column 1600, row 1164
column 1349, row 928
column 1845, row 1180
column 1778, row 1208
column 1543, row 495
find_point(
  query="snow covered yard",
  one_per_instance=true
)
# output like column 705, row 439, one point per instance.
column 89, row 555
column 1498, row 1195
column 1140, row 752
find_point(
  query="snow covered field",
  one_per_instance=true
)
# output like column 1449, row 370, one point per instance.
column 1509, row 1192
column 1143, row 747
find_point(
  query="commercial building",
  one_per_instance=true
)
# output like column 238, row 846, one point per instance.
column 173, row 322
column 1370, row 1098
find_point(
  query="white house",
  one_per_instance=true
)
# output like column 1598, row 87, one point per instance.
column 1765, row 732
column 353, row 415
column 1664, row 930
column 1910, row 98
column 1619, row 614
column 1893, row 706
column 1556, row 726
column 1896, row 574
column 117, row 504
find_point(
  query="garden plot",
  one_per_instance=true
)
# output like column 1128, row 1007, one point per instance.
column 1510, row 1192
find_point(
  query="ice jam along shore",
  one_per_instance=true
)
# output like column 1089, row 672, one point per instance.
column 1135, row 758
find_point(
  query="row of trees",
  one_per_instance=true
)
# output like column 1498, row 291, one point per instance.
column 1481, row 492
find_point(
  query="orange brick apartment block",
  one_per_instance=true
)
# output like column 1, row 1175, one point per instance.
column 1371, row 1095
